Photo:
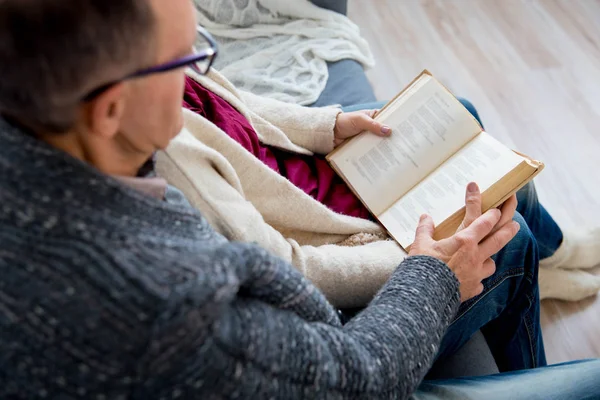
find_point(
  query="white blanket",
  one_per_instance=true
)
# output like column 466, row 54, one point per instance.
column 280, row 48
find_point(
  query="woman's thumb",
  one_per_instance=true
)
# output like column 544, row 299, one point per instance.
column 369, row 124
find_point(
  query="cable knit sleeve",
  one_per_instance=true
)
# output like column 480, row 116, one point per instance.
column 228, row 332
column 310, row 128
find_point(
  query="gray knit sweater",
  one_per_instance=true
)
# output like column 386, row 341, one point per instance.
column 108, row 294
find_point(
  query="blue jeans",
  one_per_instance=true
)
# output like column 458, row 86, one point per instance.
column 508, row 310
column 578, row 380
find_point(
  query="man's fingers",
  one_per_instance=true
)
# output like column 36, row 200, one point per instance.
column 367, row 123
column 479, row 290
column 511, row 203
column 472, row 204
column 483, row 225
column 425, row 229
column 508, row 210
column 496, row 242
column 489, row 268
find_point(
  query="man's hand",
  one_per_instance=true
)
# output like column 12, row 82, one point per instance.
column 352, row 123
column 468, row 253
column 473, row 208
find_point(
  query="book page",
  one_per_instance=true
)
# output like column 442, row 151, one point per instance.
column 484, row 161
column 429, row 125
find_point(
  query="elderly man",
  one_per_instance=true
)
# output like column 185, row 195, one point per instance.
column 114, row 288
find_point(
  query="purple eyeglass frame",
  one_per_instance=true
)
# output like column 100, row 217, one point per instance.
column 191, row 60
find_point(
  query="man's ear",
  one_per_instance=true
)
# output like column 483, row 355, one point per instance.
column 105, row 112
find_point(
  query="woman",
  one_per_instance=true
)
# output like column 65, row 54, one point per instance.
column 278, row 193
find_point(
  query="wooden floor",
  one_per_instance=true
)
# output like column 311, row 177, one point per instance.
column 532, row 68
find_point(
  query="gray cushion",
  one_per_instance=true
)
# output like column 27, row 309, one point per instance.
column 473, row 359
column 340, row 6
column 347, row 85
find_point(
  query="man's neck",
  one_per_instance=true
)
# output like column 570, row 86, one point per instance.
column 107, row 157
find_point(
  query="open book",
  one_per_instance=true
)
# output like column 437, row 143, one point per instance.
column 436, row 148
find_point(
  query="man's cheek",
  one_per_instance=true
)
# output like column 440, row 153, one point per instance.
column 176, row 124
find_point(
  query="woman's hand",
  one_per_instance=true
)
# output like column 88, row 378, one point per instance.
column 468, row 253
column 352, row 123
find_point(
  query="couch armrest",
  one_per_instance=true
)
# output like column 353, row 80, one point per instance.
column 473, row 359
column 340, row 6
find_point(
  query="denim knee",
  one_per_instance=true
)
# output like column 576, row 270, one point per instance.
column 471, row 108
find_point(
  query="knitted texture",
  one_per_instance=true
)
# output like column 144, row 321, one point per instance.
column 280, row 49
column 361, row 239
column 109, row 294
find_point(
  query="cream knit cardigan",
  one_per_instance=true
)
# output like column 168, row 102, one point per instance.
column 247, row 201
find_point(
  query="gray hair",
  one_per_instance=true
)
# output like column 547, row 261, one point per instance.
column 53, row 52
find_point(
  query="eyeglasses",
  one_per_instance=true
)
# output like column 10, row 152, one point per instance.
column 203, row 55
